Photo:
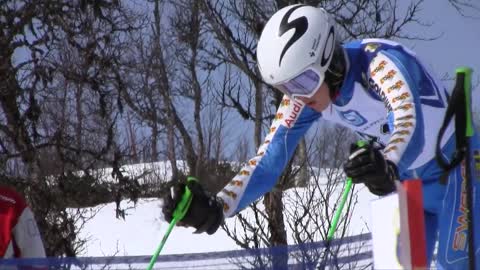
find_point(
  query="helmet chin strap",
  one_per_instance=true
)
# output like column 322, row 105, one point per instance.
column 335, row 74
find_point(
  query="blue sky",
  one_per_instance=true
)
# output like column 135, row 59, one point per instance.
column 458, row 44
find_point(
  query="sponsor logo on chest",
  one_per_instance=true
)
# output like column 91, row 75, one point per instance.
column 352, row 117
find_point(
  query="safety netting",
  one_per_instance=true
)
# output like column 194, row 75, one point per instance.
column 352, row 252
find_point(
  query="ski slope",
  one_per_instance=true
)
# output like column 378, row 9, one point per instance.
column 144, row 227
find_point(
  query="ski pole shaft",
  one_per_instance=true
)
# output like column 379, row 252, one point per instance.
column 338, row 212
column 465, row 73
column 178, row 214
column 162, row 243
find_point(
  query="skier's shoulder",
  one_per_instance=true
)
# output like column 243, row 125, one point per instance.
column 375, row 45
column 362, row 52
column 369, row 48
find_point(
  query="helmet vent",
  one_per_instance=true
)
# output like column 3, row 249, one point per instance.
column 329, row 48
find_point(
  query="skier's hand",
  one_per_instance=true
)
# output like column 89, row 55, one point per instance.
column 205, row 212
column 367, row 165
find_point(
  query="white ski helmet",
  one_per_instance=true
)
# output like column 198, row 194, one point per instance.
column 295, row 49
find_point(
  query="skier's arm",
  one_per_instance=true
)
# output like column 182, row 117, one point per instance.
column 392, row 75
column 260, row 175
column 207, row 212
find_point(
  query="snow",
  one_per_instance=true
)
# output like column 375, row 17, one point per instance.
column 141, row 232
column 144, row 226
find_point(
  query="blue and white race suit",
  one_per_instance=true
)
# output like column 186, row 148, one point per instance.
column 389, row 94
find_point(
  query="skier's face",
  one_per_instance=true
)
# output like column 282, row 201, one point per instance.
column 320, row 100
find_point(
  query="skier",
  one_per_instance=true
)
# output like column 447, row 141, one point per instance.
column 375, row 87
column 19, row 235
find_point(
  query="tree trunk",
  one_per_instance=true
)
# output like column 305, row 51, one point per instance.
column 276, row 226
column 167, row 96
column 303, row 176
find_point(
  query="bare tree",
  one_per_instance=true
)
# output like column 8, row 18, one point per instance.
column 59, row 106
column 465, row 5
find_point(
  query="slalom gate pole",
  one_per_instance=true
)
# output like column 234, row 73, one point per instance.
column 469, row 131
column 178, row 214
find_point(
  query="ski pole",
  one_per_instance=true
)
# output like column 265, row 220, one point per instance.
column 178, row 214
column 459, row 106
column 466, row 74
column 336, row 217
column 338, row 212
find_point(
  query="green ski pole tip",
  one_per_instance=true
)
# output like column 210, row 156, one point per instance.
column 466, row 70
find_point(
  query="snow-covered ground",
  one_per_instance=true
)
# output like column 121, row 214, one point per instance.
column 144, row 227
column 141, row 232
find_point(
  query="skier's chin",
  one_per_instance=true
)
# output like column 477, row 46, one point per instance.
column 315, row 105
column 312, row 104
column 320, row 100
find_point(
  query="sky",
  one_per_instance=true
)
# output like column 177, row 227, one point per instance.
column 457, row 45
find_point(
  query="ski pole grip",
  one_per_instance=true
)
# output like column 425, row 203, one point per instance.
column 464, row 76
column 361, row 143
column 185, row 201
column 178, row 215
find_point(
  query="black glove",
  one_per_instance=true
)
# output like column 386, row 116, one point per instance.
column 205, row 212
column 367, row 165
